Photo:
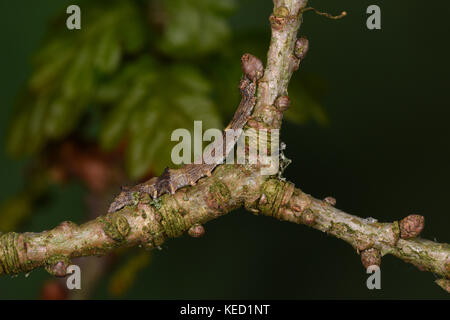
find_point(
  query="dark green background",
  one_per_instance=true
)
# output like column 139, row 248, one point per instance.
column 384, row 154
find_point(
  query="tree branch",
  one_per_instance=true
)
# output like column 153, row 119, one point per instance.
column 148, row 223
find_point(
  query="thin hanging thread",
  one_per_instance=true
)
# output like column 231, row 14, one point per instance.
column 325, row 14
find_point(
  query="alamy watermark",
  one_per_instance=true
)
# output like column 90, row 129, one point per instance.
column 374, row 281
column 374, row 20
column 74, row 279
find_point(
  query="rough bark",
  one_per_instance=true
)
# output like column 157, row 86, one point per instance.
column 148, row 223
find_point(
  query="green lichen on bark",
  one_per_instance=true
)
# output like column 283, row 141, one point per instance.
column 172, row 220
column 270, row 202
column 9, row 258
column 444, row 284
column 115, row 226
column 220, row 195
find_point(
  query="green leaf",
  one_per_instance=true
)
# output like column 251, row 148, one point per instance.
column 108, row 53
column 199, row 107
column 57, row 117
column 72, row 85
column 36, row 124
column 48, row 70
column 190, row 78
column 117, row 121
column 114, row 88
column 217, row 33
column 145, row 139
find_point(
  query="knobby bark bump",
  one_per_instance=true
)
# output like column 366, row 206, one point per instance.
column 149, row 222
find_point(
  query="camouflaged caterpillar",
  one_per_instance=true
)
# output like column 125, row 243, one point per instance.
column 173, row 179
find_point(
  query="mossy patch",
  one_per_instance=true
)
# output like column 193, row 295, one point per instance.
column 116, row 226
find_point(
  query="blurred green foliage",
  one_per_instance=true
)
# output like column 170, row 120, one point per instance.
column 149, row 67
column 150, row 102
column 195, row 27
column 68, row 68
